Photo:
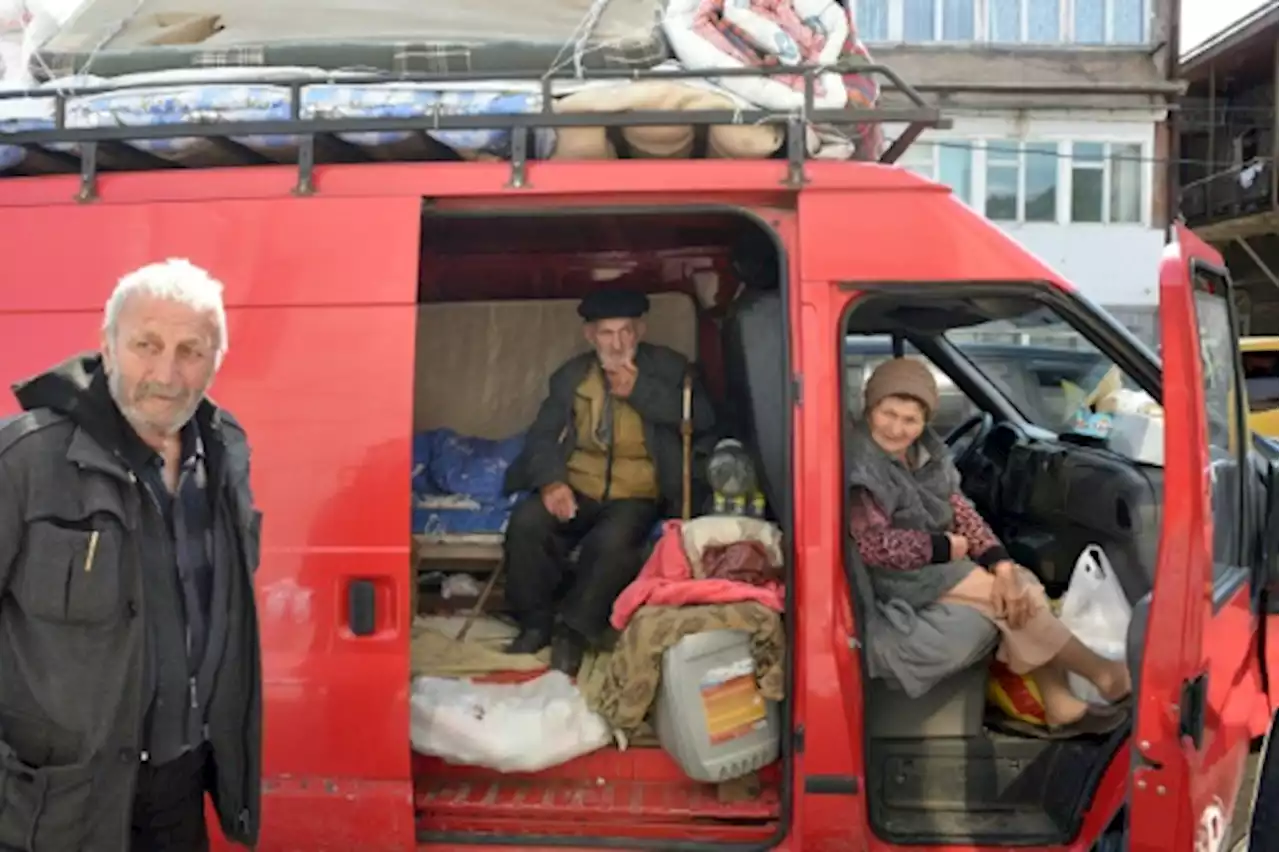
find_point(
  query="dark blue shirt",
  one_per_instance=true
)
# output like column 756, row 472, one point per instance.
column 187, row 515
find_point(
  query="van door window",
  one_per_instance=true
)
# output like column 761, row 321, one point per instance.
column 1225, row 401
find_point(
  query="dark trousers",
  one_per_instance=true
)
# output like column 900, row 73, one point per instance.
column 540, row 582
column 168, row 807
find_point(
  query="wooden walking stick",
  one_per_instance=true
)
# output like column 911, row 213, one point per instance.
column 479, row 605
column 686, row 437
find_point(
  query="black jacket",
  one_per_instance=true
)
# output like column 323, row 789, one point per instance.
column 72, row 639
column 657, row 397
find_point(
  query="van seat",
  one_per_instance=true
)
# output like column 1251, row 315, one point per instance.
column 953, row 707
column 481, row 369
column 954, row 704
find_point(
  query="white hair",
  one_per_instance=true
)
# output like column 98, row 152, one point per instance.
column 175, row 280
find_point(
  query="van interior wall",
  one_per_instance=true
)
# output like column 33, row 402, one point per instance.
column 553, row 256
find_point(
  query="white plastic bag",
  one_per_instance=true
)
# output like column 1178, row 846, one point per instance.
column 510, row 727
column 1096, row 610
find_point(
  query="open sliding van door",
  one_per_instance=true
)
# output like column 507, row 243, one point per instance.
column 1198, row 678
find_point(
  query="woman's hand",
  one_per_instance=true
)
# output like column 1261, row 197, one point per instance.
column 959, row 546
column 1009, row 596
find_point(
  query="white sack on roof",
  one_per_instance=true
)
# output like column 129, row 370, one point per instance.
column 24, row 25
column 234, row 22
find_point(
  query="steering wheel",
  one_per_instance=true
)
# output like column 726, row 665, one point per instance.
column 979, row 424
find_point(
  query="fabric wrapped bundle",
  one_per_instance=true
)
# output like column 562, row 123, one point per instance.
column 1016, row 696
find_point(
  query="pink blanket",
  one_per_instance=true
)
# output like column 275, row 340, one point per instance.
column 667, row 580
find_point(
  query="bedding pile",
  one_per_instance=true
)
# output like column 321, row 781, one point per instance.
column 237, row 62
column 709, row 35
column 458, row 484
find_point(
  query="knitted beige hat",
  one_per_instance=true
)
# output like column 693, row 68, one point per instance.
column 902, row 377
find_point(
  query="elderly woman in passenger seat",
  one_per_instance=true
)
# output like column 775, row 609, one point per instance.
column 924, row 542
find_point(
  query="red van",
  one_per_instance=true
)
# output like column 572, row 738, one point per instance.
column 353, row 291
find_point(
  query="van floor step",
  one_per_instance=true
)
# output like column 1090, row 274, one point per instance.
column 587, row 801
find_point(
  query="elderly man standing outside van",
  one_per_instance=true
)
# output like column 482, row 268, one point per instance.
column 604, row 461
column 129, row 657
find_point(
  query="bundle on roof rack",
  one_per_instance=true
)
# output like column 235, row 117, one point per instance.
column 112, row 37
column 744, row 103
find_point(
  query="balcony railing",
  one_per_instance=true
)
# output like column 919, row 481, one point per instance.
column 1230, row 194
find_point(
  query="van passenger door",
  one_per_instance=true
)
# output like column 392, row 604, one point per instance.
column 1199, row 676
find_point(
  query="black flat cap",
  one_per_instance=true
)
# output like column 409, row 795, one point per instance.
column 613, row 304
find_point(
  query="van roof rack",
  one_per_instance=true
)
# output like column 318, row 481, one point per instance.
column 59, row 149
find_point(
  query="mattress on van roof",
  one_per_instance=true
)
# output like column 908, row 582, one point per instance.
column 497, row 36
column 239, row 95
column 236, row 95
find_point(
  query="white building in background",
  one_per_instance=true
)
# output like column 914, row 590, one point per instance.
column 1059, row 129
column 1078, row 191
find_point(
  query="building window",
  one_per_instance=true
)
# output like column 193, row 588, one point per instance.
column 948, row 161
column 1126, row 183
column 1044, row 21
column 1003, row 21
column 957, row 20
column 1041, row 182
column 955, row 168
column 1032, row 21
column 1099, row 182
column 1090, row 22
column 922, row 20
column 1088, row 181
column 1022, row 181
column 1109, row 21
column 1127, row 22
column 1004, row 169
column 918, row 20
column 1106, row 182
column 873, row 20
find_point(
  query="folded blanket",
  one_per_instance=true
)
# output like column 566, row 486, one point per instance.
column 448, row 463
column 626, row 688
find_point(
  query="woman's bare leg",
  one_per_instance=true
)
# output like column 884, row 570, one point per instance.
column 1061, row 707
column 1110, row 676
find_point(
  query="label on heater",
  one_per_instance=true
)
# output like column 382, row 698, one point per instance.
column 731, row 702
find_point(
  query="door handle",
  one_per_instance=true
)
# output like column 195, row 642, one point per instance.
column 362, row 607
column 1192, row 708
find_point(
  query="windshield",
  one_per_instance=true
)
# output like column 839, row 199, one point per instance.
column 1047, row 369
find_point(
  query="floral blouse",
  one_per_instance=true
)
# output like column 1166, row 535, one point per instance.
column 885, row 546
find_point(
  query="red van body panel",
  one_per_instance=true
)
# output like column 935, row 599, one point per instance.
column 321, row 295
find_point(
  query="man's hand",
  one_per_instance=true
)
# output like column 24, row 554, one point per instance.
column 559, row 500
column 959, row 546
column 622, row 379
column 1009, row 596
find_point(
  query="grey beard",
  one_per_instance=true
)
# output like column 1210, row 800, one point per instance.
column 140, row 423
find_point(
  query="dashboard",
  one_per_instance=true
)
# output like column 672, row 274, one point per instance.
column 1048, row 498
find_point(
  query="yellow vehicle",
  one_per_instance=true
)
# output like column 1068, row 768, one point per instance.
column 1259, row 356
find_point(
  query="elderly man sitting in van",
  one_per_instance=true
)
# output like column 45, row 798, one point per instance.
column 603, row 460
